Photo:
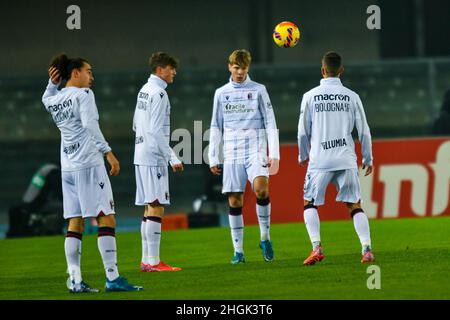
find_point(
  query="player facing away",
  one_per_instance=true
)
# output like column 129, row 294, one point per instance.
column 243, row 119
column 85, row 183
column 329, row 113
column 152, row 154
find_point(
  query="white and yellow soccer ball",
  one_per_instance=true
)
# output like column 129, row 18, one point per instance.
column 286, row 34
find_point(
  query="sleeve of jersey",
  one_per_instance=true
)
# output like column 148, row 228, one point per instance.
column 50, row 91
column 215, row 134
column 270, row 125
column 89, row 119
column 157, row 126
column 304, row 131
column 363, row 134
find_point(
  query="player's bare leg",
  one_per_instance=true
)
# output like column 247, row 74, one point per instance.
column 261, row 188
column 312, row 223
column 236, row 201
column 154, row 215
column 361, row 223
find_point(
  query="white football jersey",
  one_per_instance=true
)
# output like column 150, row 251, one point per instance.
column 75, row 114
column 243, row 119
column 151, row 123
column 328, row 114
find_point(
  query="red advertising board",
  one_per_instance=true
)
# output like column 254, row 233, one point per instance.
column 411, row 178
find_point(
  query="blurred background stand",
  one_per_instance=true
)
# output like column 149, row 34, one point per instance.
column 441, row 125
column 210, row 208
column 41, row 210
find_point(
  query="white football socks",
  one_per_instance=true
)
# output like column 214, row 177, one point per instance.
column 153, row 234
column 237, row 232
column 263, row 213
column 108, row 250
column 144, row 241
column 72, row 248
column 312, row 223
column 361, row 223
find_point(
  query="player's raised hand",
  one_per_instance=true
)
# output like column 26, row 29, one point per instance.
column 274, row 166
column 114, row 163
column 54, row 75
column 216, row 170
column 178, row 167
column 368, row 170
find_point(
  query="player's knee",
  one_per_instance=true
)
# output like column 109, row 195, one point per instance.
column 262, row 193
column 235, row 203
column 351, row 206
column 76, row 225
column 107, row 221
column 354, row 208
column 155, row 209
column 235, row 200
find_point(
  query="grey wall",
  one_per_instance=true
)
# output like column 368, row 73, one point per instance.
column 121, row 35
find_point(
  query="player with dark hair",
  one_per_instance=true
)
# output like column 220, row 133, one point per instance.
column 328, row 115
column 85, row 184
column 243, row 119
column 152, row 154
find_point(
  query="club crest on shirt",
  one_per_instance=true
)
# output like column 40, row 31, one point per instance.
column 161, row 94
column 249, row 96
column 158, row 176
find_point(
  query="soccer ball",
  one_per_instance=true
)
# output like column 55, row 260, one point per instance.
column 286, row 34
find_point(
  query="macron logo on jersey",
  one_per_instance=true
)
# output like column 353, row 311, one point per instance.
column 325, row 97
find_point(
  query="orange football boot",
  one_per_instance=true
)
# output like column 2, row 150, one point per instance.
column 315, row 256
column 161, row 266
column 367, row 257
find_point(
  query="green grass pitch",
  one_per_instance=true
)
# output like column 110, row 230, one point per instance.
column 413, row 256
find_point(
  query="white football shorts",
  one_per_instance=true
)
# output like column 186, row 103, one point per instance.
column 152, row 184
column 345, row 181
column 236, row 174
column 87, row 193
